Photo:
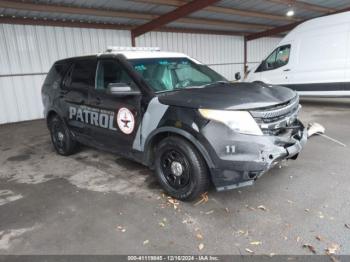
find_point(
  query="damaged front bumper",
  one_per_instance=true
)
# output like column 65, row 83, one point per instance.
column 240, row 159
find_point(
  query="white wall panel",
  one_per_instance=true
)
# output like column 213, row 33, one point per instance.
column 223, row 53
column 258, row 49
column 32, row 50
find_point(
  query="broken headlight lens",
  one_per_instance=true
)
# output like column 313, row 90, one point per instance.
column 239, row 121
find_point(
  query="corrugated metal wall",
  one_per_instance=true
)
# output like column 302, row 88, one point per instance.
column 27, row 52
column 26, row 55
column 222, row 53
column 258, row 49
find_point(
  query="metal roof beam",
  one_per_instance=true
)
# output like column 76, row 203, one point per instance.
column 49, row 8
column 224, row 23
column 42, row 22
column 274, row 31
column 72, row 10
column 172, row 16
column 46, row 22
column 223, row 10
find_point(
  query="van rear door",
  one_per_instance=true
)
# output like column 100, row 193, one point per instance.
column 321, row 61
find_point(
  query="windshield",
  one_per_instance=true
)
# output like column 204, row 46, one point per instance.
column 169, row 74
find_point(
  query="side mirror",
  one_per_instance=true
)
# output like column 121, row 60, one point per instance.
column 121, row 89
column 238, row 76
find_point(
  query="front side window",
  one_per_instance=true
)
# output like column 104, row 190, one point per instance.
column 169, row 74
column 279, row 57
column 110, row 72
column 270, row 61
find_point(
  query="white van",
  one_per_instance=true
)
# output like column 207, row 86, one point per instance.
column 313, row 59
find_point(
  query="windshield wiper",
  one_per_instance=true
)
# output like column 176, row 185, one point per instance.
column 217, row 82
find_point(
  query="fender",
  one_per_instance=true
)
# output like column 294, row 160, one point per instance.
column 50, row 111
column 59, row 113
column 184, row 134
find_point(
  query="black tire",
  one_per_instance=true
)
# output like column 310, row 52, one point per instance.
column 61, row 137
column 191, row 179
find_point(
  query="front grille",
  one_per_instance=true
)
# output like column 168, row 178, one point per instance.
column 278, row 119
column 276, row 113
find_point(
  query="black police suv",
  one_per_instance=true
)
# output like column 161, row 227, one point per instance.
column 173, row 114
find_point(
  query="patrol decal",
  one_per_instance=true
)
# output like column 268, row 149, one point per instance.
column 125, row 120
column 92, row 116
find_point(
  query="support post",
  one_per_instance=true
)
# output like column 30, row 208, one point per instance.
column 245, row 62
column 133, row 39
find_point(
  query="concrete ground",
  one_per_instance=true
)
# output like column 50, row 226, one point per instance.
column 97, row 203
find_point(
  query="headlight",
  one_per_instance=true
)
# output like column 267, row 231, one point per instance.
column 239, row 121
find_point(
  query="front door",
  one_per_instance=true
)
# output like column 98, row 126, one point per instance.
column 114, row 118
column 276, row 68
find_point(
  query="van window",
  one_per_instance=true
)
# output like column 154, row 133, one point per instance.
column 279, row 57
column 82, row 74
column 270, row 61
column 109, row 71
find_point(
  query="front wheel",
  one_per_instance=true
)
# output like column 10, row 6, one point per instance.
column 180, row 169
column 61, row 137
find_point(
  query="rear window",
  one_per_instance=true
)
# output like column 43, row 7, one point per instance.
column 83, row 74
column 56, row 74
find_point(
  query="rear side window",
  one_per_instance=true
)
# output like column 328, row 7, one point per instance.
column 81, row 75
column 56, row 73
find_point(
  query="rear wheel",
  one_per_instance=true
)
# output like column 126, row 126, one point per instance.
column 61, row 138
column 180, row 169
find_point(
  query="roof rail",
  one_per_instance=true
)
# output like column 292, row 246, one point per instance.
column 111, row 49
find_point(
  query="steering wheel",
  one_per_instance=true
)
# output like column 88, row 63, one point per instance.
column 183, row 83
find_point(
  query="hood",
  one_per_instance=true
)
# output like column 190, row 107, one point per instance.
column 229, row 96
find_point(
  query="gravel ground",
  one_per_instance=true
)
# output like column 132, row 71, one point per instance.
column 98, row 203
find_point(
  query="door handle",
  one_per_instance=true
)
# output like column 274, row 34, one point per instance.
column 70, row 99
column 75, row 101
column 286, row 70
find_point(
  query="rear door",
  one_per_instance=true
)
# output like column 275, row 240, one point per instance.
column 75, row 91
column 114, row 118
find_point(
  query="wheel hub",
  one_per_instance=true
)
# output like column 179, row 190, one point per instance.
column 60, row 136
column 176, row 168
